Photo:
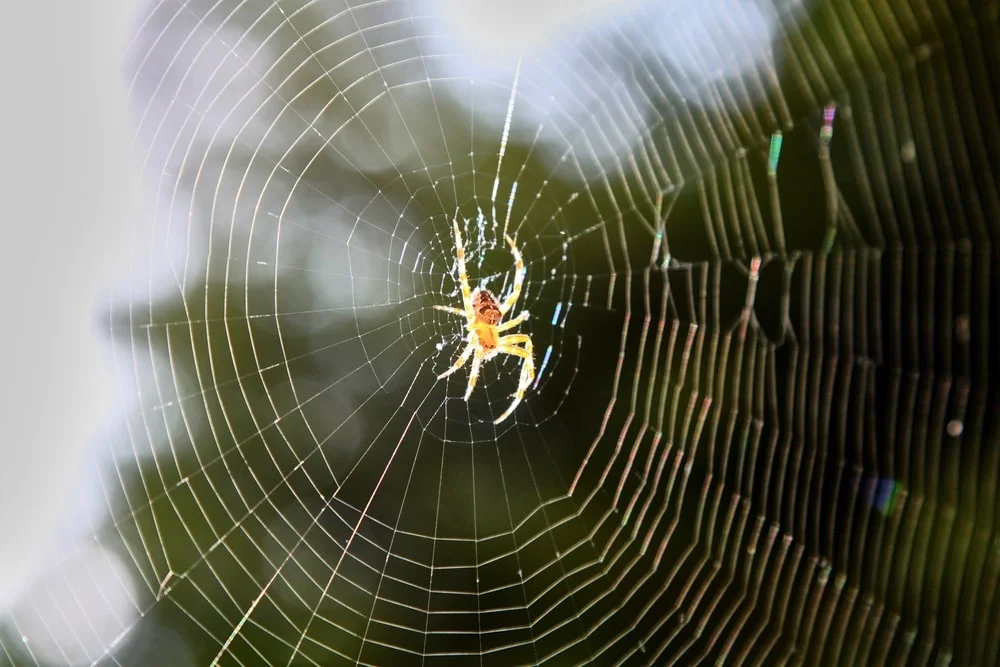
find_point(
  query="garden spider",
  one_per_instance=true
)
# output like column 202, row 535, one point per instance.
column 483, row 315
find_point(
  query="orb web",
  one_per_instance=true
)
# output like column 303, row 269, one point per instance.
column 760, row 271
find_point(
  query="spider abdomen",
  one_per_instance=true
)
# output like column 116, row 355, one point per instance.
column 486, row 308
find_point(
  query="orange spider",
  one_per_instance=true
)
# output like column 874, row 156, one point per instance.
column 483, row 314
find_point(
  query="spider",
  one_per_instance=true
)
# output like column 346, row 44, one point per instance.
column 483, row 314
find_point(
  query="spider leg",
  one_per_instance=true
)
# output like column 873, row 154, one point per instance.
column 518, row 276
column 508, row 345
column 463, row 277
column 477, row 361
column 469, row 349
column 454, row 311
column 510, row 324
column 516, row 339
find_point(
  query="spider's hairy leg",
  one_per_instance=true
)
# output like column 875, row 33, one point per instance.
column 477, row 361
column 508, row 345
column 517, row 339
column 463, row 277
column 510, row 324
column 518, row 277
column 453, row 311
column 469, row 349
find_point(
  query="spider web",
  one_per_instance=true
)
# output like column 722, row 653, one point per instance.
column 761, row 280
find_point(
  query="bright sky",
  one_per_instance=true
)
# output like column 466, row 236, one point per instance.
column 68, row 193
